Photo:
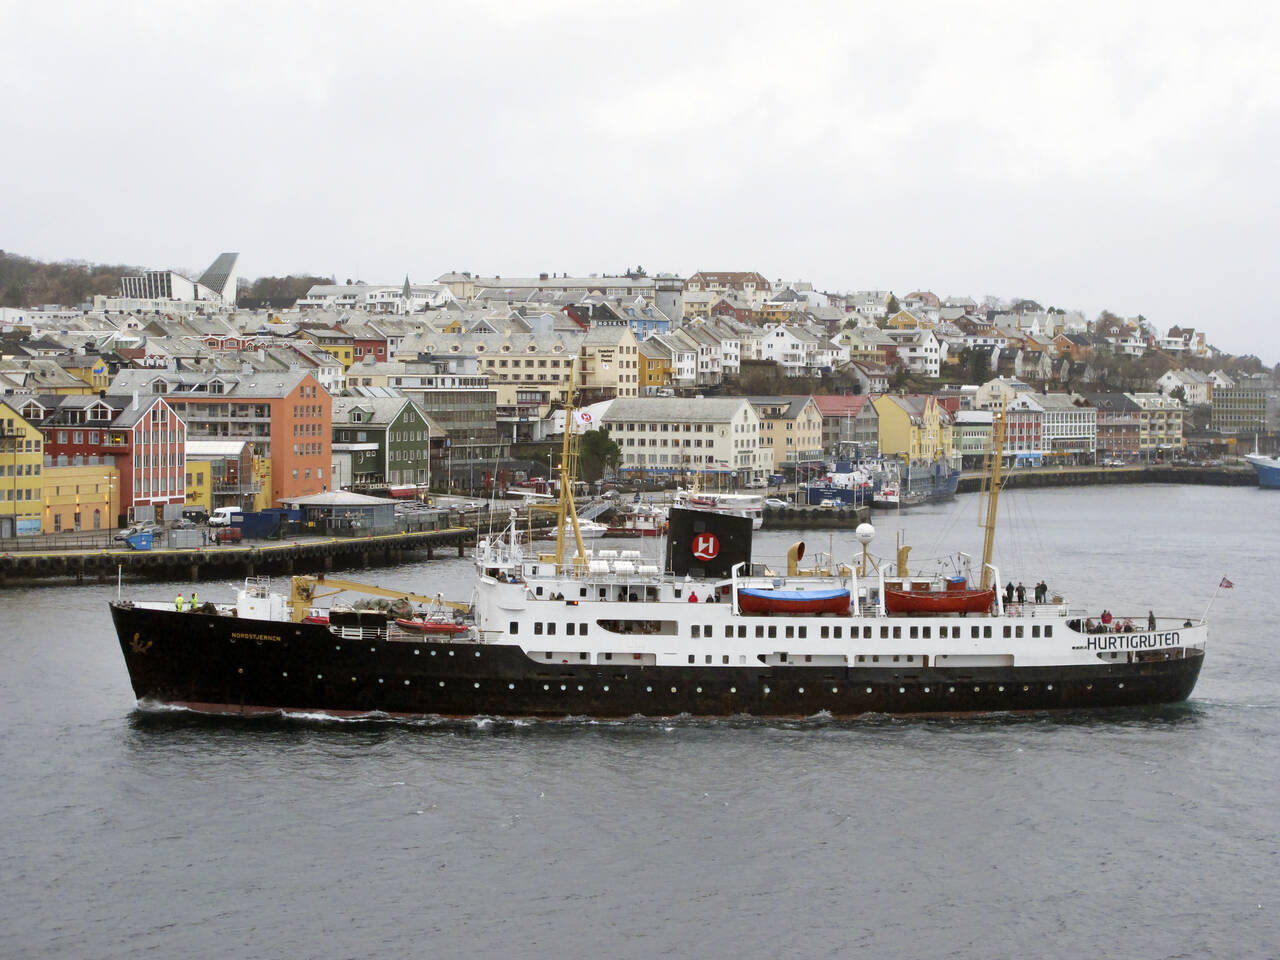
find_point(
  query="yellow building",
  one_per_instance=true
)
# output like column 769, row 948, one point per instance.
column 914, row 427
column 199, row 486
column 335, row 342
column 906, row 320
column 92, row 370
column 655, row 367
column 790, row 431
column 81, row 497
column 21, row 474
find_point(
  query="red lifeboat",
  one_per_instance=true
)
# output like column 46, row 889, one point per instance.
column 938, row 601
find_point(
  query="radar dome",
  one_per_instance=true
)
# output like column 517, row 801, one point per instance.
column 865, row 533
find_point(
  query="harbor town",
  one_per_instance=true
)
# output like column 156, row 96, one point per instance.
column 174, row 412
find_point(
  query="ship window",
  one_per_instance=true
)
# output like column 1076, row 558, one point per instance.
column 759, row 632
column 927, row 630
column 1008, row 632
column 915, row 635
column 911, row 658
column 895, row 658
column 742, row 633
column 838, row 630
column 582, row 656
column 551, row 629
column 773, row 632
column 582, row 629
column 1035, row 631
column 728, row 632
column 691, row 659
column 866, row 633
column 782, row 657
column 569, row 629
column 861, row 658
column 537, row 628
column 986, row 633
column 706, row 630
column 884, row 633
column 708, row 660
column 582, row 591
column 973, row 632
column 1017, row 631
column 697, row 632
column 875, row 658
column 1048, row 631
column 537, row 591
column 897, row 633
column 602, row 593
column 824, row 632
column 955, row 632
column 513, row 628
column 724, row 658
column 791, row 632
column 608, row 656
column 803, row 632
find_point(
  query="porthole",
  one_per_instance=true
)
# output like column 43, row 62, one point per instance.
column 511, row 686
column 451, row 653
column 695, row 689
column 371, row 650
column 380, row 680
column 1121, row 686
column 733, row 689
column 951, row 689
column 1000, row 689
column 1049, row 686
column 835, row 690
column 926, row 689
column 606, row 688
column 477, row 653
column 1088, row 686
column 563, row 687
column 976, row 689
column 442, row 683
column 406, row 683
column 240, row 670
column 416, row 652
column 285, row 674
column 477, row 686
column 868, row 689
column 1025, row 688
column 433, row 653
column 648, row 689
column 766, row 689
column 338, row 647
column 673, row 689
column 545, row 687
column 319, row 676
column 579, row 687
column 800, row 689
column 902, row 689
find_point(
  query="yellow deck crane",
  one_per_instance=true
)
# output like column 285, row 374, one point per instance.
column 305, row 590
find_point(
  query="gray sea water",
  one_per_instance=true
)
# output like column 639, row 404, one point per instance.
column 1135, row 834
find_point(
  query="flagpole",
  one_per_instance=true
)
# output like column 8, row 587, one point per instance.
column 1212, row 597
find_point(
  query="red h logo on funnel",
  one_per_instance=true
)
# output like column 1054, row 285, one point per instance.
column 706, row 546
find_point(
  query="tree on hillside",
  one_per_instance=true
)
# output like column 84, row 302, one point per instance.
column 1179, row 393
column 893, row 306
column 596, row 452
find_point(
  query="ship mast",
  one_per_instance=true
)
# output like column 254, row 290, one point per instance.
column 991, row 484
column 565, row 509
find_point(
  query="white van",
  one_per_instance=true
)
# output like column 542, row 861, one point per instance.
column 221, row 517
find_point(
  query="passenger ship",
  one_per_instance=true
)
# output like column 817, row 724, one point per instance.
column 707, row 632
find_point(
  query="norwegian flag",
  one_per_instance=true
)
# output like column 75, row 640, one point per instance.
column 1225, row 584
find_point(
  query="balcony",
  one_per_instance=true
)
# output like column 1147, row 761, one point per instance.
column 231, row 487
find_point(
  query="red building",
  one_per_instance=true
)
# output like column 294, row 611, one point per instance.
column 142, row 436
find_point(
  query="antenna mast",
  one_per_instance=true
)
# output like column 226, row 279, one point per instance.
column 991, row 484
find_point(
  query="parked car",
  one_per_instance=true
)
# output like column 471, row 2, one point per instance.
column 143, row 526
column 182, row 523
column 774, row 502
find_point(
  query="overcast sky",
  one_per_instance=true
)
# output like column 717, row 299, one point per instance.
column 1114, row 155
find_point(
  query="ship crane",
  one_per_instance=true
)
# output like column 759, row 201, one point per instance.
column 306, row 590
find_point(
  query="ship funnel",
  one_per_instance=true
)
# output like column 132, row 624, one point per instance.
column 703, row 543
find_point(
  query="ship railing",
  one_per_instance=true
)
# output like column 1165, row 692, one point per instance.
column 359, row 633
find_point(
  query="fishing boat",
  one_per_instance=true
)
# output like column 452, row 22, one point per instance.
column 642, row 520
column 1267, row 468
column 572, row 633
column 748, row 505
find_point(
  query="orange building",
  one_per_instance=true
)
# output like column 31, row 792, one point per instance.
column 286, row 414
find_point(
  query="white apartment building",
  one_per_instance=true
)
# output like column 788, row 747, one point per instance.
column 687, row 436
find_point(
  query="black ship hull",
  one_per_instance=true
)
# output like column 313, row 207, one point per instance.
column 223, row 664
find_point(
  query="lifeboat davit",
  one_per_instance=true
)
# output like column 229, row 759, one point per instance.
column 938, row 601
column 431, row 626
column 751, row 600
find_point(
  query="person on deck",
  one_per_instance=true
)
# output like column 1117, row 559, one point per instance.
column 178, row 602
column 1151, row 620
column 1008, row 593
column 1022, row 593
